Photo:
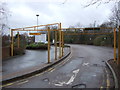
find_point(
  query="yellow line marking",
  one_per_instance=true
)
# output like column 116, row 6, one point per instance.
column 108, row 83
column 52, row 70
column 38, row 74
column 101, row 87
column 22, row 82
column 7, row 85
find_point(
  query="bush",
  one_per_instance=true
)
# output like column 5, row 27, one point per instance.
column 37, row 46
column 98, row 41
column 102, row 43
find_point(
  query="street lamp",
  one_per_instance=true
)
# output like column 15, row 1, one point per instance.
column 37, row 20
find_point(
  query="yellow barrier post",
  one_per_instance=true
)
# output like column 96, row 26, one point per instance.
column 60, row 40
column 118, row 47
column 62, row 43
column 12, row 43
column 18, row 39
column 114, row 44
column 48, row 44
column 55, row 45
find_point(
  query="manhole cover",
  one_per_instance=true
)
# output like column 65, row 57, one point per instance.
column 79, row 86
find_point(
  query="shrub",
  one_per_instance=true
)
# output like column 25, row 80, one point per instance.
column 37, row 46
column 98, row 41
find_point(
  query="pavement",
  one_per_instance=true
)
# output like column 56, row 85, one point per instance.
column 33, row 60
column 84, row 68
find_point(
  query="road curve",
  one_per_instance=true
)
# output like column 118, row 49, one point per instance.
column 84, row 68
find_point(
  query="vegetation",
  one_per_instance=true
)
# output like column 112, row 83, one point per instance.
column 98, row 40
column 37, row 46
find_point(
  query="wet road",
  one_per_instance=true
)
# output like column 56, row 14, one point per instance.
column 32, row 58
column 84, row 68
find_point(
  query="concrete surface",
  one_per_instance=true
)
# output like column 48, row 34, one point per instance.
column 84, row 68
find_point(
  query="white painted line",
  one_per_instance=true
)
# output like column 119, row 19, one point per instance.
column 85, row 64
column 75, row 72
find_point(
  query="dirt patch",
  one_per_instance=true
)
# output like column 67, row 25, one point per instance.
column 116, row 68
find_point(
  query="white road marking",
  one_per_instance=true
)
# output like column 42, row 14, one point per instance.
column 94, row 75
column 85, row 64
column 70, row 80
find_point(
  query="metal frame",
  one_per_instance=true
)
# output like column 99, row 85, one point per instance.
column 61, row 32
column 34, row 29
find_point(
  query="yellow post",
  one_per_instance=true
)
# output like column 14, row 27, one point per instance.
column 18, row 40
column 118, row 47
column 62, row 43
column 48, row 44
column 55, row 45
column 60, row 40
column 114, row 44
column 12, row 43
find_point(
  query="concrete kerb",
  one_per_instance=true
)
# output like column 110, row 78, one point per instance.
column 37, row 71
column 114, row 75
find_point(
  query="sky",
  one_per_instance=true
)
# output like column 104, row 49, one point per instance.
column 68, row 12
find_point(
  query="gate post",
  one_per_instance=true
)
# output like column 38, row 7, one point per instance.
column 48, row 44
column 119, row 47
column 55, row 45
column 12, row 43
column 114, row 44
column 18, row 40
column 62, row 43
column 60, row 40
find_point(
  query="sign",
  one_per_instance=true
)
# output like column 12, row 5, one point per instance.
column 41, row 38
column 34, row 33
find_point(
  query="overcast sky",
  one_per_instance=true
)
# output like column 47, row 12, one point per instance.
column 70, row 13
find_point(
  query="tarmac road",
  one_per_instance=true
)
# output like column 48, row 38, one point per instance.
column 84, row 68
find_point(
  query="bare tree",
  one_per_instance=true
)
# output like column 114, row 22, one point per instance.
column 3, row 16
column 99, row 2
column 115, row 17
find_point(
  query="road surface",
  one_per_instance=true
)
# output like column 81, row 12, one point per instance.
column 25, row 63
column 84, row 68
